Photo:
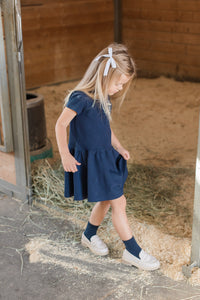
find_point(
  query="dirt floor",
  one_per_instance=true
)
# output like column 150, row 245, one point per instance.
column 158, row 124
column 38, row 261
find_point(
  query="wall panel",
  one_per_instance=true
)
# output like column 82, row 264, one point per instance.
column 163, row 37
column 61, row 37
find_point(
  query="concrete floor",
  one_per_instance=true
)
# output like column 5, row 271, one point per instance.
column 66, row 270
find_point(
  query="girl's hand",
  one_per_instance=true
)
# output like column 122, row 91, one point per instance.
column 124, row 153
column 70, row 163
column 117, row 146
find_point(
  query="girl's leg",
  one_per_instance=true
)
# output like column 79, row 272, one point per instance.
column 133, row 254
column 97, row 215
column 122, row 227
column 89, row 237
column 119, row 218
column 98, row 212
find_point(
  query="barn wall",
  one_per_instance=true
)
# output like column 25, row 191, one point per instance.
column 61, row 37
column 163, row 36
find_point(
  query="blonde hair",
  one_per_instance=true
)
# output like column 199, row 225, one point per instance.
column 96, row 85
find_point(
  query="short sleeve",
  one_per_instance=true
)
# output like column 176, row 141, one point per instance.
column 77, row 102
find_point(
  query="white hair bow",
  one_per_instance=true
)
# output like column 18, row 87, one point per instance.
column 110, row 61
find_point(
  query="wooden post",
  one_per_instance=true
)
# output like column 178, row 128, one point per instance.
column 6, row 143
column 117, row 21
column 195, row 254
column 21, row 189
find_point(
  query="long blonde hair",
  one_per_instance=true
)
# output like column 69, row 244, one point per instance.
column 96, row 85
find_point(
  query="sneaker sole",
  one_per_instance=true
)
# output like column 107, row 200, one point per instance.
column 85, row 244
column 126, row 262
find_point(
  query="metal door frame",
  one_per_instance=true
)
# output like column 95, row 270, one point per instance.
column 16, row 84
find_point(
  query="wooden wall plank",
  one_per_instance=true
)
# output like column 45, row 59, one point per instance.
column 162, row 26
column 63, row 36
column 164, row 15
column 164, row 47
column 26, row 3
column 151, row 69
column 173, row 37
column 160, row 46
column 164, row 36
column 158, row 56
column 183, row 5
column 46, row 23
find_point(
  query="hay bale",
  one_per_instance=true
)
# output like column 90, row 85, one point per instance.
column 48, row 188
column 152, row 197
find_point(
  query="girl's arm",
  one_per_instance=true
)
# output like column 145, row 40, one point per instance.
column 116, row 144
column 68, row 161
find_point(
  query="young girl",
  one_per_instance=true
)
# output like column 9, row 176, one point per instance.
column 95, row 161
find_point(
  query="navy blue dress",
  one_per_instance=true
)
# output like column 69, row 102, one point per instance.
column 103, row 171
